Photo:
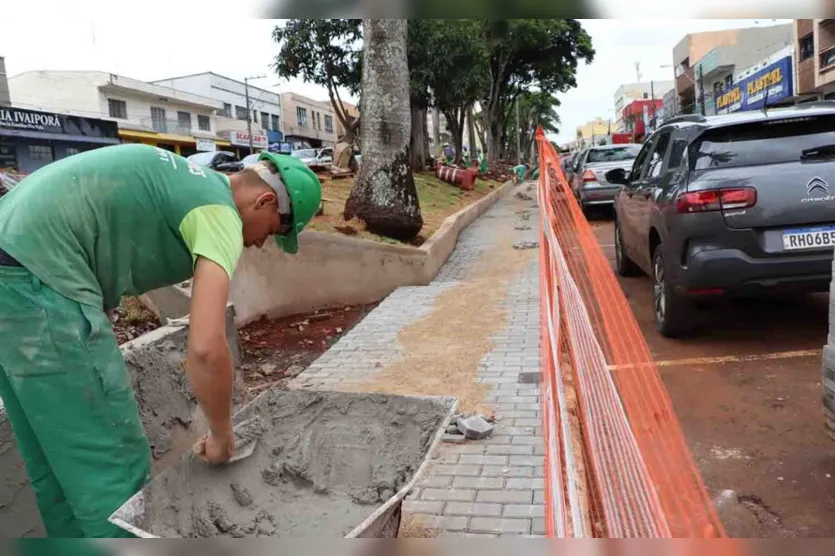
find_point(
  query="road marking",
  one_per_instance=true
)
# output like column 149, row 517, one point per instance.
column 693, row 361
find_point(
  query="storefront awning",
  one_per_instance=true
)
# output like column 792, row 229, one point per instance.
column 164, row 137
column 58, row 137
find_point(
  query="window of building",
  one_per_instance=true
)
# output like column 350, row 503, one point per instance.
column 240, row 113
column 204, row 123
column 646, row 95
column 117, row 109
column 255, row 116
column 184, row 122
column 227, row 110
column 275, row 123
column 329, row 124
column 265, row 120
column 313, row 117
column 41, row 152
column 319, row 119
column 73, row 150
column 158, row 118
column 806, row 45
column 301, row 116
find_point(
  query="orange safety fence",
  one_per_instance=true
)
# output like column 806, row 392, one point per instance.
column 617, row 464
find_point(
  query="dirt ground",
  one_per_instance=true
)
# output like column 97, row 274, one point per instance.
column 438, row 200
column 277, row 350
column 131, row 319
column 747, row 391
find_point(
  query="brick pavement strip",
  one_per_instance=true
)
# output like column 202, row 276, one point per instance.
column 485, row 488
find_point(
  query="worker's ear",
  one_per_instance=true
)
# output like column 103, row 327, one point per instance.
column 267, row 199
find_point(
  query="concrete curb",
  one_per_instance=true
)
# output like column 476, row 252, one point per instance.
column 331, row 270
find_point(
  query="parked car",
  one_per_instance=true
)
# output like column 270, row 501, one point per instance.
column 589, row 181
column 733, row 205
column 314, row 157
column 570, row 164
column 221, row 161
column 250, row 159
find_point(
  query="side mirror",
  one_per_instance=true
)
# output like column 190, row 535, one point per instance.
column 616, row 176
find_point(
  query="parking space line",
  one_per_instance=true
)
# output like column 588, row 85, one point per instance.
column 693, row 361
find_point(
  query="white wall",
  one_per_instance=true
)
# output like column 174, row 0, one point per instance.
column 231, row 92
column 81, row 93
column 58, row 91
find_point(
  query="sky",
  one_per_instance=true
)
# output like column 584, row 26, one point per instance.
column 146, row 46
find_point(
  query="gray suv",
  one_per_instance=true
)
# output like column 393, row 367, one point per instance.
column 734, row 205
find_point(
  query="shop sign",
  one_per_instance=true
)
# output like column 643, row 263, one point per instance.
column 206, row 145
column 241, row 139
column 774, row 80
column 18, row 119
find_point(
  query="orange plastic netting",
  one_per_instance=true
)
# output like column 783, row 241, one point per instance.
column 625, row 470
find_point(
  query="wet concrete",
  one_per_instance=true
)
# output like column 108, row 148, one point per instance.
column 324, row 461
column 168, row 410
column 754, row 424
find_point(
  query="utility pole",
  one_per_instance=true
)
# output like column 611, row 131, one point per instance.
column 248, row 110
column 518, row 135
column 701, row 91
column 652, row 95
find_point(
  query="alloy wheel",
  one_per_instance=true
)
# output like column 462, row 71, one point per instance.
column 659, row 290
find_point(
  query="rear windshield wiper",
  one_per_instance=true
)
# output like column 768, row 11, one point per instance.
column 823, row 151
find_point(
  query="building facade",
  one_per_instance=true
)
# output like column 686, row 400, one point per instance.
column 593, row 132
column 814, row 48
column 769, row 81
column 705, row 63
column 639, row 117
column 636, row 91
column 145, row 113
column 30, row 139
column 308, row 122
column 231, row 119
column 5, row 98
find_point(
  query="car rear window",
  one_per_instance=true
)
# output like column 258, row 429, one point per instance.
column 614, row 154
column 769, row 142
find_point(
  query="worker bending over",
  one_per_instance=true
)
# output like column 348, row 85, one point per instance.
column 76, row 236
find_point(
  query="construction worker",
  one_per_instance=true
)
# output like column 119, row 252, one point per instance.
column 77, row 235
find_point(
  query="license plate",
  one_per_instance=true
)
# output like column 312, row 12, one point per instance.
column 809, row 238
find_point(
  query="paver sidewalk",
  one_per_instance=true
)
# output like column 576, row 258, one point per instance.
column 492, row 487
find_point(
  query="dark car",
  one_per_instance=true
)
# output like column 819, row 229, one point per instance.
column 589, row 181
column 737, row 205
column 220, row 161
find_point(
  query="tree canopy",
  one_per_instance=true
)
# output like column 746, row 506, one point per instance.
column 326, row 52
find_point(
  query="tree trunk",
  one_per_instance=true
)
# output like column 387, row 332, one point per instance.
column 384, row 195
column 471, row 132
column 436, row 132
column 419, row 142
column 455, row 125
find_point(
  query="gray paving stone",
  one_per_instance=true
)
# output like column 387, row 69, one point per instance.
column 473, row 509
column 524, row 510
column 538, row 526
column 448, row 494
column 525, row 484
column 457, row 470
column 505, row 496
column 473, row 459
column 510, row 450
column 499, row 526
column 479, row 483
column 422, row 507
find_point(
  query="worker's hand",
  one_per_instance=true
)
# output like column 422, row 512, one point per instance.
column 215, row 449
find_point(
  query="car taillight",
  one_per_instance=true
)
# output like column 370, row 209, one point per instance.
column 716, row 199
column 588, row 175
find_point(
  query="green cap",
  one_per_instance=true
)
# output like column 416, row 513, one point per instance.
column 305, row 193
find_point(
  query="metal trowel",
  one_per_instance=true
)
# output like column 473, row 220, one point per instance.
column 247, row 434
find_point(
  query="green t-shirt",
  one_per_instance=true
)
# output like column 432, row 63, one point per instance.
column 120, row 220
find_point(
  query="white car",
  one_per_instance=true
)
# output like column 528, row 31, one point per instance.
column 314, row 157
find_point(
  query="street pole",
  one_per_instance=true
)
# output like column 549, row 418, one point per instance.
column 652, row 94
column 701, row 90
column 248, row 110
column 518, row 135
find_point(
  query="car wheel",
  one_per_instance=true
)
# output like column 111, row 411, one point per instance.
column 623, row 263
column 673, row 313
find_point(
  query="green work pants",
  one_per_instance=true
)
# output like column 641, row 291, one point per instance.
column 69, row 399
